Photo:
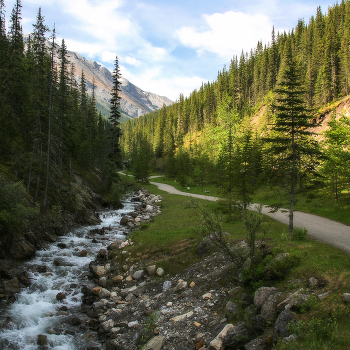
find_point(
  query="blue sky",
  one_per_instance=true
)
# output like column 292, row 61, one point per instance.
column 166, row 47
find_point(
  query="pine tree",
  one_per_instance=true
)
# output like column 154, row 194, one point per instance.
column 50, row 119
column 64, row 120
column 39, row 81
column 292, row 123
column 115, row 115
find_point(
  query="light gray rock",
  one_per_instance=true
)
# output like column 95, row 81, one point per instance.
column 346, row 298
column 231, row 308
column 262, row 294
column 181, row 286
column 313, row 282
column 280, row 329
column 166, row 286
column 108, row 325
column 268, row 309
column 151, row 270
column 155, row 343
column 217, row 343
column 98, row 270
column 181, row 317
column 299, row 301
column 133, row 324
column 292, row 337
column 138, row 274
column 130, row 297
column 149, row 208
column 323, row 295
column 160, row 272
column 114, row 332
column 102, row 281
column 104, row 293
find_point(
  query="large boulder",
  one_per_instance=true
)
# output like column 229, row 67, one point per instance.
column 125, row 220
column 280, row 329
column 204, row 247
column 11, row 286
column 262, row 294
column 268, row 309
column 217, row 343
column 237, row 336
column 21, row 249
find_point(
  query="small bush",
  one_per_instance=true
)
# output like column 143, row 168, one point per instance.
column 317, row 328
column 299, row 234
column 148, row 329
column 278, row 269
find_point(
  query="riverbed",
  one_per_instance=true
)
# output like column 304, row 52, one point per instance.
column 47, row 313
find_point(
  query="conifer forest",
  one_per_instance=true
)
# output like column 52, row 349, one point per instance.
column 51, row 134
column 255, row 125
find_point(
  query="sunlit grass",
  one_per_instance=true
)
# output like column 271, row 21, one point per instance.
column 314, row 202
column 171, row 242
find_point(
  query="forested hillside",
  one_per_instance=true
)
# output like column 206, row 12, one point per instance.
column 53, row 142
column 229, row 131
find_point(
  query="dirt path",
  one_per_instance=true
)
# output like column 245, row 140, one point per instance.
column 325, row 230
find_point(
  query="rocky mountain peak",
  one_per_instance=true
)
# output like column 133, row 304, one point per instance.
column 134, row 101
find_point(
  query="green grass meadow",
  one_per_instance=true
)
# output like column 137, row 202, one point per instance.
column 171, row 242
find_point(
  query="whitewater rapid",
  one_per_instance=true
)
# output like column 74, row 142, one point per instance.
column 37, row 310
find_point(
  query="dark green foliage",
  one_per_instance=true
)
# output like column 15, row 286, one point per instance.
column 320, row 49
column 50, row 130
column 115, row 115
column 320, row 329
column 141, row 158
column 278, row 269
column 16, row 209
column 300, row 234
column 291, row 142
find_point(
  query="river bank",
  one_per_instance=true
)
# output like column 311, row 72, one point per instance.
column 42, row 300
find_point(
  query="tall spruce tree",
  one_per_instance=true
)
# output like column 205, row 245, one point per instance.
column 115, row 115
column 292, row 123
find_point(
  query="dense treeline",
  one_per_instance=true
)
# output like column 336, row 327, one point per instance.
column 321, row 50
column 215, row 122
column 50, row 129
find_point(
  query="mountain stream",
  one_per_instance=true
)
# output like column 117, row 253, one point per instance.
column 37, row 313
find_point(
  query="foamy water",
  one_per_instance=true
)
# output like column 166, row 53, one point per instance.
column 36, row 307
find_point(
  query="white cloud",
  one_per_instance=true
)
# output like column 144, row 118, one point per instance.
column 227, row 33
column 131, row 60
column 108, row 56
column 84, row 48
column 100, row 20
column 153, row 80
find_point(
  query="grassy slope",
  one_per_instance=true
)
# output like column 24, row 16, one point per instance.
column 171, row 241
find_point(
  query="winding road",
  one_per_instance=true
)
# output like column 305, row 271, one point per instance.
column 322, row 229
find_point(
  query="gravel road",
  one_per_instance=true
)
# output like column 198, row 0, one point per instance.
column 322, row 229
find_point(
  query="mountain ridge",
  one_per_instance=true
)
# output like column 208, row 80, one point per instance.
column 134, row 101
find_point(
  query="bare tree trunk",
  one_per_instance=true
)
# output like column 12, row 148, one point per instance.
column 48, row 155
column 292, row 191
